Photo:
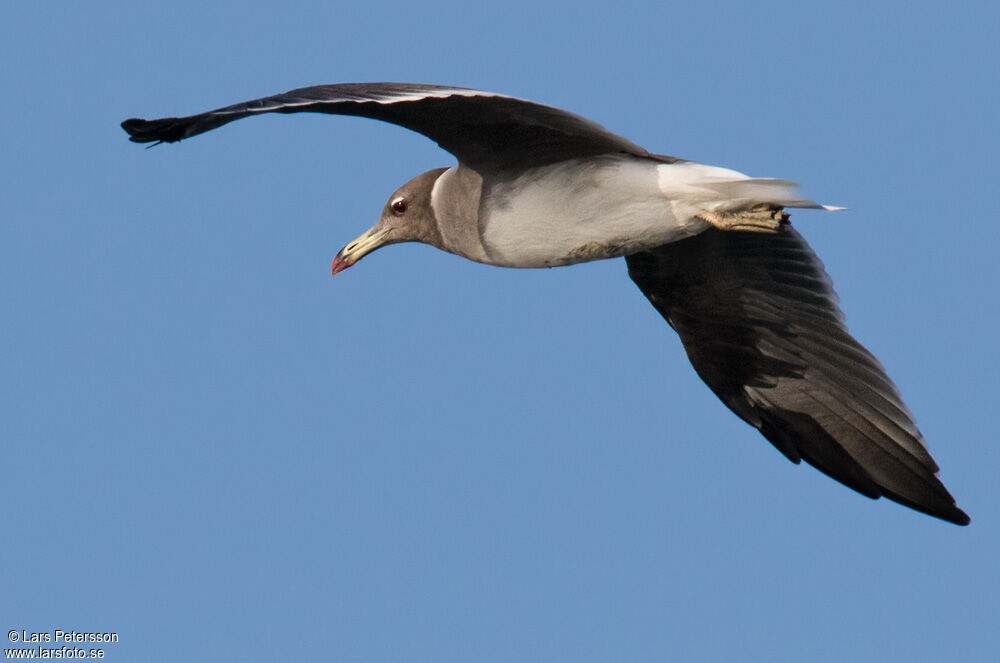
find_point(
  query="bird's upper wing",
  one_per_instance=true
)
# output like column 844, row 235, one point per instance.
column 477, row 127
column 760, row 323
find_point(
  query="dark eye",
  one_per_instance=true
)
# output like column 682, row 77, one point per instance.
column 399, row 206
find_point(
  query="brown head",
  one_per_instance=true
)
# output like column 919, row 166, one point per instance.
column 406, row 217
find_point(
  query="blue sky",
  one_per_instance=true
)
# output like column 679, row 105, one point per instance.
column 217, row 451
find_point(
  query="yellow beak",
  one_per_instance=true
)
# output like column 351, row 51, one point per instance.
column 357, row 249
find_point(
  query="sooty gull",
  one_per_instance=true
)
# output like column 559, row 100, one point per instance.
column 711, row 248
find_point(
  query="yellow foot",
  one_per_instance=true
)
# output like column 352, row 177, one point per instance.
column 759, row 219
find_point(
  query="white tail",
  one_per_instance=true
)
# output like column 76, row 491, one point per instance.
column 721, row 189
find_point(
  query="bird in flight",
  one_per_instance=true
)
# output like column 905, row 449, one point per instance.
column 711, row 248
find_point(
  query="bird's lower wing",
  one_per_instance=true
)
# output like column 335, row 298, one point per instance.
column 760, row 323
column 477, row 127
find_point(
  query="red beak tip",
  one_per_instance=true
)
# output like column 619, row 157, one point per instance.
column 339, row 264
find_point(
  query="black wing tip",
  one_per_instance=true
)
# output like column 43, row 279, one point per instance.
column 948, row 512
column 951, row 514
column 959, row 517
column 166, row 130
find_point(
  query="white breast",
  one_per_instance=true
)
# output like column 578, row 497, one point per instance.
column 580, row 210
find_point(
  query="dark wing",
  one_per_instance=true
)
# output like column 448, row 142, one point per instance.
column 759, row 319
column 477, row 127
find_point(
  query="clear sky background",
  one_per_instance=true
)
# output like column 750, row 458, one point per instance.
column 220, row 453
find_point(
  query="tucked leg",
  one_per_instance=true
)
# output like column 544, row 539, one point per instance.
column 761, row 219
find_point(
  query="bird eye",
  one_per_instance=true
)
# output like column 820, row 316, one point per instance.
column 399, row 206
